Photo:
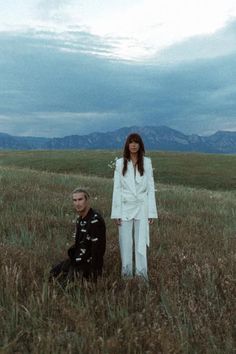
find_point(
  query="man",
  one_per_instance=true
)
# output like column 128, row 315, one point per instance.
column 86, row 255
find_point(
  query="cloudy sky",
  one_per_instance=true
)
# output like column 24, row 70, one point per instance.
column 79, row 66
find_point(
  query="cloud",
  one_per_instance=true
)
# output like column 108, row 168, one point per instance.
column 62, row 83
column 59, row 124
column 142, row 27
column 218, row 44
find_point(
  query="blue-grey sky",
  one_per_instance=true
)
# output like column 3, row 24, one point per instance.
column 75, row 67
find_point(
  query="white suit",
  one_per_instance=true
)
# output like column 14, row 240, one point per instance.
column 134, row 203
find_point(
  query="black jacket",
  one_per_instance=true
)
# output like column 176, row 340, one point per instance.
column 90, row 244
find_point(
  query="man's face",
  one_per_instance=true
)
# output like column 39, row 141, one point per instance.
column 81, row 204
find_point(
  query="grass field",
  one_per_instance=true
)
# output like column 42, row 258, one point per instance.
column 189, row 306
column 215, row 172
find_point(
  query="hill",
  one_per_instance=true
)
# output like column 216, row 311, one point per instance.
column 155, row 138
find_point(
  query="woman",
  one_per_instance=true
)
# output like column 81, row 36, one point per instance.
column 134, row 204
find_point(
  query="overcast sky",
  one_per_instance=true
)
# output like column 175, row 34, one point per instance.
column 75, row 67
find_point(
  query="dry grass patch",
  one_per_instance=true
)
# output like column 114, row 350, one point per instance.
column 188, row 306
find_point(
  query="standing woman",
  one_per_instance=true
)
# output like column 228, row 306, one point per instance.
column 134, row 204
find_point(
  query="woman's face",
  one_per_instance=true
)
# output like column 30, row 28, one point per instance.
column 133, row 147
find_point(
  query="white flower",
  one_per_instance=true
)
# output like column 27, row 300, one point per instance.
column 112, row 163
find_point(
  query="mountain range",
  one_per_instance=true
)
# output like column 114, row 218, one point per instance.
column 154, row 137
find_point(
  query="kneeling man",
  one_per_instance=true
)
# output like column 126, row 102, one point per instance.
column 86, row 255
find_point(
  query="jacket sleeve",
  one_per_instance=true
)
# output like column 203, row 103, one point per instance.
column 152, row 209
column 116, row 197
column 78, row 253
column 98, row 240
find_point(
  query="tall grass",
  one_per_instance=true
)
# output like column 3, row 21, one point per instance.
column 188, row 307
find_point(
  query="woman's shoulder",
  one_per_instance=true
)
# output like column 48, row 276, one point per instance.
column 119, row 161
column 119, row 164
column 147, row 160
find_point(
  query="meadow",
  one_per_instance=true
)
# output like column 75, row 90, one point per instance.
column 189, row 305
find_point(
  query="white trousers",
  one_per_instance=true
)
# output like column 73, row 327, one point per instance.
column 129, row 230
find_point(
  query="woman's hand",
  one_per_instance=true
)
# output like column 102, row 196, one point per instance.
column 118, row 222
column 151, row 221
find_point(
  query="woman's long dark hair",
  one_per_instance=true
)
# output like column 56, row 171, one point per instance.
column 134, row 137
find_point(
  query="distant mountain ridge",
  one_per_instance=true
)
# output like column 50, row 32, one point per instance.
column 155, row 138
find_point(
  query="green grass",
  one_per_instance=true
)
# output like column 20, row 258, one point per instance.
column 189, row 305
column 197, row 170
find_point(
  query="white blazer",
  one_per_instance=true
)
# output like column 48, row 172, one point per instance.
column 133, row 194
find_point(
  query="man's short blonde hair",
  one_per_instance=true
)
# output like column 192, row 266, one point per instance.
column 81, row 190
